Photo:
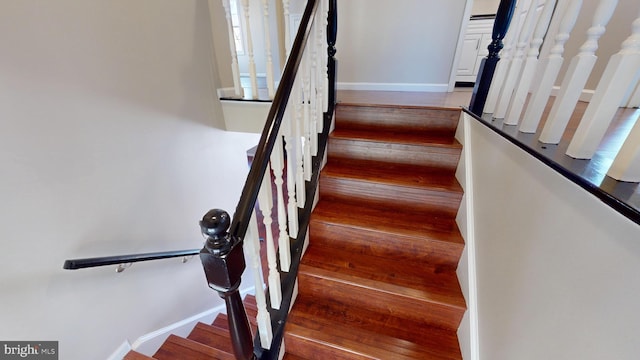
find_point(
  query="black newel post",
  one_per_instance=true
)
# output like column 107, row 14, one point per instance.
column 332, row 34
column 488, row 65
column 223, row 262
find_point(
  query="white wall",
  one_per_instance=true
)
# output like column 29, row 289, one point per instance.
column 108, row 145
column 557, row 271
column 399, row 45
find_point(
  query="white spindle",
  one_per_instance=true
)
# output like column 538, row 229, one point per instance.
column 577, row 75
column 516, row 65
column 613, row 85
column 252, row 252
column 290, row 148
column 235, row 70
column 324, row 55
column 287, row 29
column 252, row 63
column 551, row 68
column 299, row 142
column 627, row 101
column 265, row 198
column 321, row 69
column 504, row 63
column 267, row 48
column 305, row 67
column 626, row 165
column 530, row 66
column 277, row 164
column 313, row 87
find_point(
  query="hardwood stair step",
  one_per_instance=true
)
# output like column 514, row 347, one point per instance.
column 288, row 356
column 396, row 288
column 222, row 321
column 411, row 149
column 370, row 216
column 213, row 336
column 370, row 328
column 176, row 347
column 134, row 355
column 402, row 185
column 398, row 117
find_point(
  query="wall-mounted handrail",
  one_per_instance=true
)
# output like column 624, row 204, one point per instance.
column 74, row 264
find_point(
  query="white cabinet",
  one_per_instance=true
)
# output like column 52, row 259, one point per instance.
column 474, row 49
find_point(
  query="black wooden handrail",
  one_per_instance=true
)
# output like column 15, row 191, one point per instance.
column 221, row 256
column 74, row 264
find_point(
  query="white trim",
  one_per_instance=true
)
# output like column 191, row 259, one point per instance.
column 472, row 300
column 456, row 57
column 187, row 323
column 394, row 87
column 227, row 92
column 585, row 96
column 121, row 351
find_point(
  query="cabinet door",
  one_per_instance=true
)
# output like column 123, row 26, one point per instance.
column 469, row 54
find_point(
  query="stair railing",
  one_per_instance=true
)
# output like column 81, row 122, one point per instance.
column 290, row 151
column 617, row 87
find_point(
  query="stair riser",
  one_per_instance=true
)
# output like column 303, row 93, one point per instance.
column 445, row 158
column 400, row 196
column 369, row 242
column 439, row 315
column 440, row 120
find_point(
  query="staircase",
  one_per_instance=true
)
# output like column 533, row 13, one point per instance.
column 378, row 279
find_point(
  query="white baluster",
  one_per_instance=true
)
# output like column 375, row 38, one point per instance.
column 551, row 67
column 290, row 148
column 252, row 63
column 626, row 165
column 265, row 198
column 325, row 57
column 287, row 28
column 267, row 48
column 516, row 65
column 613, row 85
column 277, row 164
column 235, row 70
column 576, row 76
column 299, row 136
column 530, row 66
column 504, row 63
column 252, row 252
column 320, row 69
column 628, row 97
column 306, row 107
column 313, row 86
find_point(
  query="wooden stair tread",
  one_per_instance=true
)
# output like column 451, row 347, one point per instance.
column 436, row 226
column 212, row 336
column 406, row 279
column 432, row 139
column 373, row 329
column 176, row 347
column 134, row 355
column 390, row 173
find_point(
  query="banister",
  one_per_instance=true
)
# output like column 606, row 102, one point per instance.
column 74, row 264
column 269, row 135
column 488, row 65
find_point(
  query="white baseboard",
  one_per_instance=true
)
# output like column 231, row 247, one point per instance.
column 121, row 351
column 394, row 87
column 585, row 96
column 149, row 343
